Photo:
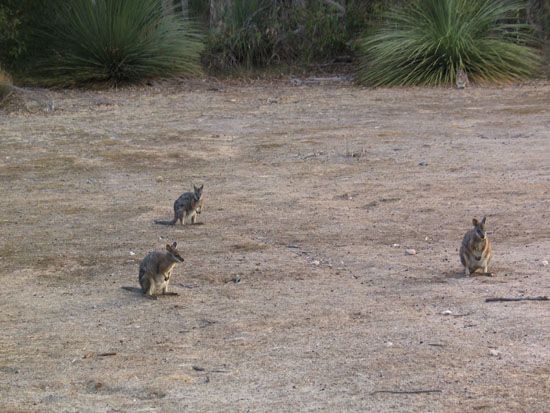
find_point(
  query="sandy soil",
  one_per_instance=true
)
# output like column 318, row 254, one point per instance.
column 313, row 194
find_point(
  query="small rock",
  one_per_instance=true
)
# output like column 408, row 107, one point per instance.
column 132, row 253
column 493, row 352
column 396, row 245
column 544, row 263
column 447, row 312
column 389, row 344
column 423, row 163
column 410, row 251
column 159, row 178
column 316, row 262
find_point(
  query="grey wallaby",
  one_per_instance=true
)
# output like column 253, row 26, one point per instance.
column 476, row 250
column 461, row 79
column 189, row 204
column 155, row 271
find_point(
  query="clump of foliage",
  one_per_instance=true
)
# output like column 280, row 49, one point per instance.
column 426, row 41
column 257, row 33
column 118, row 41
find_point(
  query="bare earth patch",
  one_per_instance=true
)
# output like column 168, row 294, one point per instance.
column 313, row 194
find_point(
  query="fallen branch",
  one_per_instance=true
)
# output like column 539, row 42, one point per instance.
column 407, row 391
column 497, row 299
column 107, row 354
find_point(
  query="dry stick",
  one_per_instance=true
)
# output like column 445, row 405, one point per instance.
column 407, row 391
column 496, row 299
column 107, row 354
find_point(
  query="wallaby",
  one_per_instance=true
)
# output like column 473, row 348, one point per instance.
column 476, row 251
column 461, row 79
column 155, row 271
column 189, row 204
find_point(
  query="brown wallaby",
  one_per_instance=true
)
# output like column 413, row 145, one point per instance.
column 461, row 79
column 189, row 204
column 476, row 250
column 155, row 271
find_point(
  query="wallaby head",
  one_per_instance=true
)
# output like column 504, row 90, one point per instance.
column 173, row 251
column 198, row 192
column 480, row 231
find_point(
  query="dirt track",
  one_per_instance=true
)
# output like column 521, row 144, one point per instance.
column 313, row 194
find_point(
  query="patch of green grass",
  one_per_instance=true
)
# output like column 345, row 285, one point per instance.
column 427, row 41
column 118, row 41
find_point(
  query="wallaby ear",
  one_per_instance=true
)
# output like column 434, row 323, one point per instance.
column 200, row 188
column 475, row 222
column 195, row 188
column 483, row 220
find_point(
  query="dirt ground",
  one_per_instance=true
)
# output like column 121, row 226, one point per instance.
column 313, row 194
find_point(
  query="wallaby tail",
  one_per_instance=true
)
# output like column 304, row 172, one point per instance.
column 166, row 222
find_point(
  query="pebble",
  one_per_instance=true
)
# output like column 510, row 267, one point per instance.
column 132, row 253
column 447, row 312
column 389, row 344
column 410, row 251
column 159, row 178
column 494, row 352
column 316, row 262
column 423, row 163
column 544, row 263
column 395, row 245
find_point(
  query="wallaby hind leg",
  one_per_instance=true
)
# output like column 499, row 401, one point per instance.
column 150, row 291
column 466, row 271
column 193, row 217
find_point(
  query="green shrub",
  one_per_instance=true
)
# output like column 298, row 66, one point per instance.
column 256, row 33
column 118, row 41
column 425, row 42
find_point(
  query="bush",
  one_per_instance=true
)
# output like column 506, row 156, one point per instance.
column 256, row 33
column 425, row 42
column 118, row 41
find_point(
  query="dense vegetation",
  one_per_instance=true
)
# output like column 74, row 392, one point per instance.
column 75, row 41
column 427, row 41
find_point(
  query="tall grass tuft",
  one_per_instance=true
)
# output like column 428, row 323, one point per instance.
column 118, row 41
column 426, row 41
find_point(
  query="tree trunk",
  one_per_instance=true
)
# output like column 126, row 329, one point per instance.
column 185, row 8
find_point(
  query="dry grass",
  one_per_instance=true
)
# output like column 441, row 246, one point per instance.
column 306, row 200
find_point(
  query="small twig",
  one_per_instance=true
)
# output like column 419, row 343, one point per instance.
column 407, row 391
column 106, row 354
column 497, row 299
column 436, row 344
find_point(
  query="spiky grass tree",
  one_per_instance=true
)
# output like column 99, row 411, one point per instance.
column 426, row 41
column 118, row 41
